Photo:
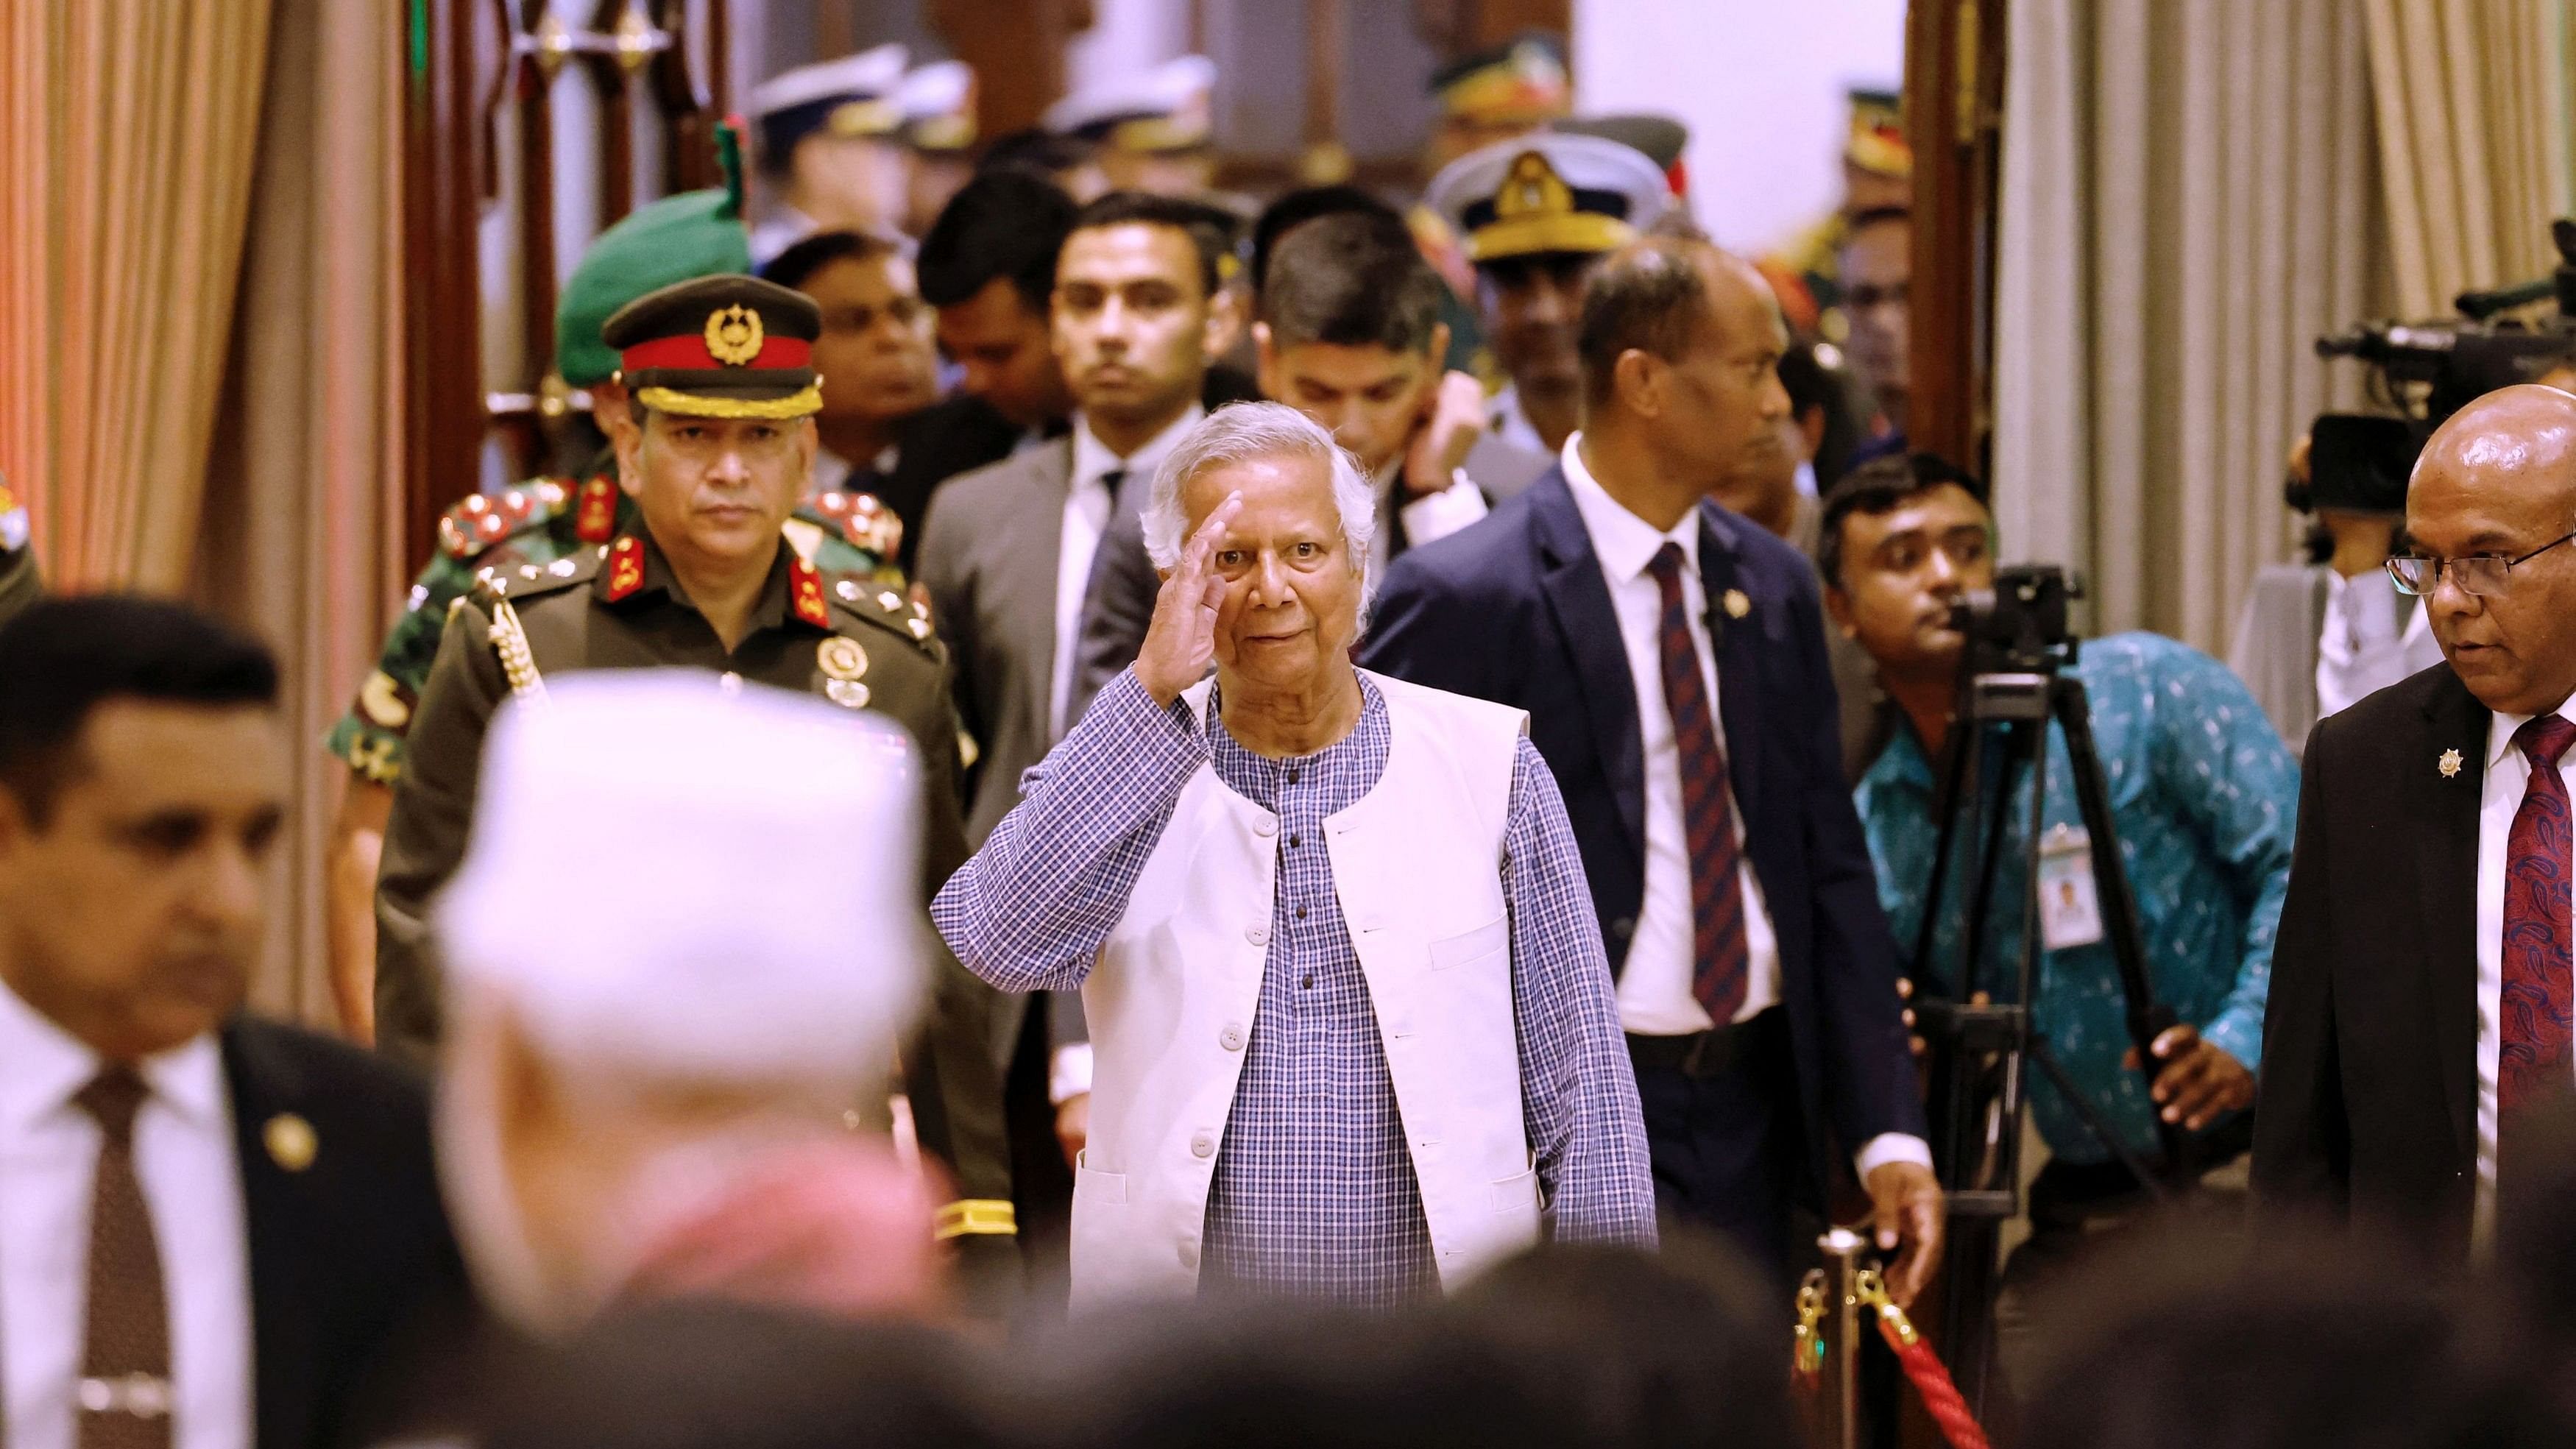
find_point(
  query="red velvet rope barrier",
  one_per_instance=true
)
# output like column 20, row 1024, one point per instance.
column 1940, row 1396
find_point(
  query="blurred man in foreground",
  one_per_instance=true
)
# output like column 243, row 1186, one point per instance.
column 2423, row 999
column 1353, row 1029
column 650, row 1058
column 213, row 1229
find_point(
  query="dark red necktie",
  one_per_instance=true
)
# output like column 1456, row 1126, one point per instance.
column 1708, row 806
column 2538, row 1008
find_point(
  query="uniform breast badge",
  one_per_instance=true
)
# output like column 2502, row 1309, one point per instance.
column 843, row 662
column 1736, row 604
column 2449, row 764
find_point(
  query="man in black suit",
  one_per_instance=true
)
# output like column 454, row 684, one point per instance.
column 214, row 1230
column 1757, row 978
column 2421, row 987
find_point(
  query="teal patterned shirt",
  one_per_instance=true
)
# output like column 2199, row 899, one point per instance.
column 2205, row 799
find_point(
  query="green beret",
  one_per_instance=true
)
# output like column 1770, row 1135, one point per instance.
column 676, row 239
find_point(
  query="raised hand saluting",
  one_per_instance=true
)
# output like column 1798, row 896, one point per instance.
column 1181, row 642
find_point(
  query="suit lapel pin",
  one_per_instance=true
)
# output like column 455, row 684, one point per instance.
column 1735, row 603
column 2450, row 764
column 290, row 1140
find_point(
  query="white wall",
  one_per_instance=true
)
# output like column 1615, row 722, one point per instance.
column 1760, row 85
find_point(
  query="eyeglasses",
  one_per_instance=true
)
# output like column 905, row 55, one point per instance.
column 2480, row 574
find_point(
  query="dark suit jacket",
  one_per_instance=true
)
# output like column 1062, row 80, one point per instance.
column 2368, row 1106
column 351, row 1260
column 1516, row 610
column 941, row 441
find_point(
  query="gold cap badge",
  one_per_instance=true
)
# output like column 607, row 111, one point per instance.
column 290, row 1141
column 733, row 335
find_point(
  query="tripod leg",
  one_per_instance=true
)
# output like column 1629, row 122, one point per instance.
column 2147, row 1019
column 2093, row 1121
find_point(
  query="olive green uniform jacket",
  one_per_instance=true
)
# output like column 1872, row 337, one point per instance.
column 618, row 606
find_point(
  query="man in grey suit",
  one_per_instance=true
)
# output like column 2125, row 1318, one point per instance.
column 1020, row 557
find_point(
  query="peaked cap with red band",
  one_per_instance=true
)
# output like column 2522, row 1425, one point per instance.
column 720, row 347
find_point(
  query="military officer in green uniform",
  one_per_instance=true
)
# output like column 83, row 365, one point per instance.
column 717, row 449
column 695, row 234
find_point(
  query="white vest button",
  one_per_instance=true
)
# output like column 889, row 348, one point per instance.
column 1189, row 1255
column 1258, row 935
column 1265, row 826
column 1231, row 1038
column 1203, row 1145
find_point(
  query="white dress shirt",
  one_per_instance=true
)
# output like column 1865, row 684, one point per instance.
column 1088, row 504
column 183, row 1156
column 1424, row 518
column 1654, row 991
column 2373, row 637
column 2508, row 776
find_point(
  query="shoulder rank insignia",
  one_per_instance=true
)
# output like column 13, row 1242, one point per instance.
column 864, row 521
column 595, row 514
column 805, row 594
column 625, row 568
column 480, row 520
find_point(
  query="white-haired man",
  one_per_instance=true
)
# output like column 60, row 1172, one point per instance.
column 651, row 1052
column 1352, row 1019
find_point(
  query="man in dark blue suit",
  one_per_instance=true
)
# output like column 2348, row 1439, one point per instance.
column 1671, row 656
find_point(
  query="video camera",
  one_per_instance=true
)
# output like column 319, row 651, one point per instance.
column 2020, row 625
column 2359, row 462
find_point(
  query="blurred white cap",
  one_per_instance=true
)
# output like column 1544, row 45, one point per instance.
column 674, row 882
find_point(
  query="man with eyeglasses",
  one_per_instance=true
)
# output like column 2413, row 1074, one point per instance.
column 2202, row 797
column 2423, row 995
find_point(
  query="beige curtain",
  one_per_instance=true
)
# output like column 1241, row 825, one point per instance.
column 2189, row 199
column 2472, row 116
column 126, row 135
column 302, row 527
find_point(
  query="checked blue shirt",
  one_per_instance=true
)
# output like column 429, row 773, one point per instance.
column 1314, row 1193
column 2205, row 799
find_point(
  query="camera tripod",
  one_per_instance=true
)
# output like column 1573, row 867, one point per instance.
column 2015, row 686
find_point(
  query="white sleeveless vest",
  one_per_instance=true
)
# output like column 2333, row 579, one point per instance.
column 1417, row 866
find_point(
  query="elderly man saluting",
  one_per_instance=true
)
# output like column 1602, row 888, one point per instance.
column 1352, row 1019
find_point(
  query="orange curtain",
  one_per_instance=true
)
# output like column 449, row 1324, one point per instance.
column 127, row 133
column 301, row 530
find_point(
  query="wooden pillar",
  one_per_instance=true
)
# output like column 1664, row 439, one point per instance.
column 446, row 172
column 1324, row 161
column 1954, row 70
column 1017, row 49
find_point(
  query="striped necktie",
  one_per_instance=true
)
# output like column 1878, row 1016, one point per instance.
column 1718, row 951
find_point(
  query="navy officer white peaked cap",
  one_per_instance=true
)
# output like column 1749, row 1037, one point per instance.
column 1550, row 192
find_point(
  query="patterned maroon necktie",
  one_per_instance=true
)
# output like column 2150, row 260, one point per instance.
column 125, row 1356
column 1708, row 806
column 2538, row 1008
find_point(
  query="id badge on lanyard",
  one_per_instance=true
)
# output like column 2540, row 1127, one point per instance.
column 2070, row 906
